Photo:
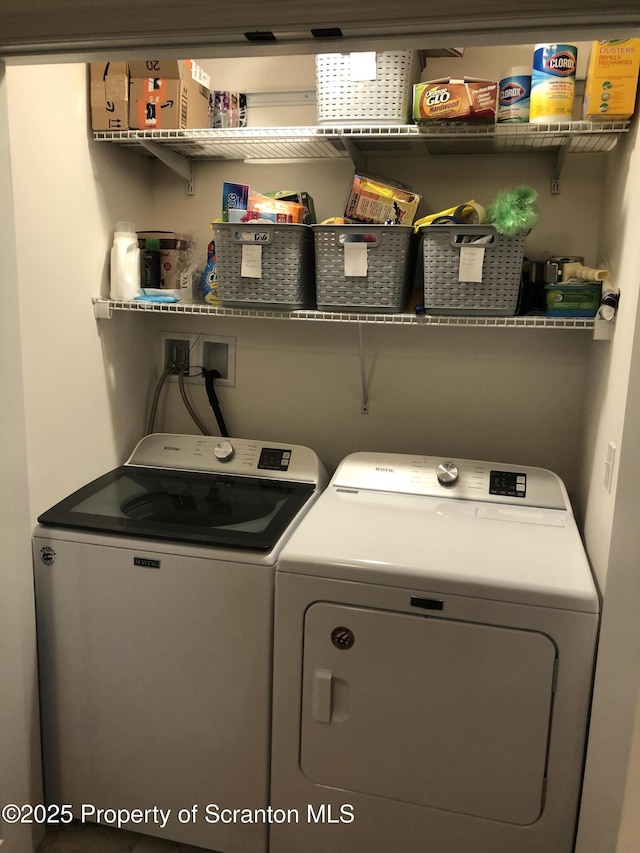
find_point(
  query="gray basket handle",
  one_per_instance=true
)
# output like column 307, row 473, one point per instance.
column 364, row 236
column 252, row 237
column 473, row 237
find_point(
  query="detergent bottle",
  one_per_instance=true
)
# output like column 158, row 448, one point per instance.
column 125, row 263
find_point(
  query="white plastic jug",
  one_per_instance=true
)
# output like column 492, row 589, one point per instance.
column 125, row 263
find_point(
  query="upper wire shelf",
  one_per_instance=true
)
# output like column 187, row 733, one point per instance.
column 321, row 142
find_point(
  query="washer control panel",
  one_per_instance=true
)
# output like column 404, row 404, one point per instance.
column 464, row 479
column 230, row 456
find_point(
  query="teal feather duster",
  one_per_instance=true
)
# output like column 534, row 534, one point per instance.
column 513, row 211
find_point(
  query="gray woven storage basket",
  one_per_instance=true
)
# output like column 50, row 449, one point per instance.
column 384, row 289
column 286, row 265
column 386, row 100
column 496, row 294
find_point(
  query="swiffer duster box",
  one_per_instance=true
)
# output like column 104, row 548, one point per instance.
column 467, row 100
column 612, row 79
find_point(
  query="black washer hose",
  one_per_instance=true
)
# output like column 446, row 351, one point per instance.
column 209, row 383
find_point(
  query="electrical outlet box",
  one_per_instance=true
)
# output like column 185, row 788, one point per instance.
column 211, row 352
column 177, row 353
column 219, row 353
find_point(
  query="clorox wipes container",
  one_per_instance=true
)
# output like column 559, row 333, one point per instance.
column 514, row 93
column 553, row 82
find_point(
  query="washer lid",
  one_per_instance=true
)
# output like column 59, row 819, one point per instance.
column 500, row 552
column 225, row 511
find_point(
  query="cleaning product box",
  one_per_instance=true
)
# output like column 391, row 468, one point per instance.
column 179, row 101
column 375, row 202
column 466, row 100
column 572, row 300
column 109, row 95
column 612, row 79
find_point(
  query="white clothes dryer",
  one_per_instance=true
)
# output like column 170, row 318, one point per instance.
column 435, row 633
column 154, row 598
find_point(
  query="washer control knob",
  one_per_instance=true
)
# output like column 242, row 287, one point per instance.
column 224, row 451
column 447, row 473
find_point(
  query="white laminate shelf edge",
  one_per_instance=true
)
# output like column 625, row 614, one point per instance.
column 104, row 308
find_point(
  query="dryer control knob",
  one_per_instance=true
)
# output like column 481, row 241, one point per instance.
column 224, row 451
column 447, row 473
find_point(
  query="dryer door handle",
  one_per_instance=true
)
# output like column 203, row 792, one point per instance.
column 322, row 697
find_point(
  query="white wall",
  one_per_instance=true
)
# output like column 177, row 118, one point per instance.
column 19, row 725
column 612, row 759
column 85, row 383
column 609, row 362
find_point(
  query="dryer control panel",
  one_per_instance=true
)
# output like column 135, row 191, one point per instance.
column 463, row 479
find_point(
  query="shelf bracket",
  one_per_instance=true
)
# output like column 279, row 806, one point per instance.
column 558, row 164
column 102, row 309
column 176, row 162
column 358, row 159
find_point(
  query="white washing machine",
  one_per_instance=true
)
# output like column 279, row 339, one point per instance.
column 154, row 597
column 434, row 646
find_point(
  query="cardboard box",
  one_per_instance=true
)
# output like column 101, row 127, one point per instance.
column 467, row 100
column 375, row 202
column 612, row 79
column 162, row 103
column 109, row 95
column 169, row 69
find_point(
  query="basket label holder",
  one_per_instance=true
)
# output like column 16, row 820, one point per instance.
column 470, row 265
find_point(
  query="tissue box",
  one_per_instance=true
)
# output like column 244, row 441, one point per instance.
column 612, row 78
column 572, row 300
column 467, row 100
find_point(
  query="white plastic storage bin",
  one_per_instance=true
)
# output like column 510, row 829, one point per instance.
column 385, row 98
column 463, row 274
column 366, row 268
column 264, row 265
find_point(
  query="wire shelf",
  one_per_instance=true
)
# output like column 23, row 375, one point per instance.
column 103, row 309
column 292, row 143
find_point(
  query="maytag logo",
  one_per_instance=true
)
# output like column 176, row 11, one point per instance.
column 168, row 447
column 146, row 563
column 385, row 470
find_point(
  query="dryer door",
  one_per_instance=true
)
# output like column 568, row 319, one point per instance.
column 450, row 715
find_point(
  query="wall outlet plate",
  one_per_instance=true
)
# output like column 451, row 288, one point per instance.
column 211, row 352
